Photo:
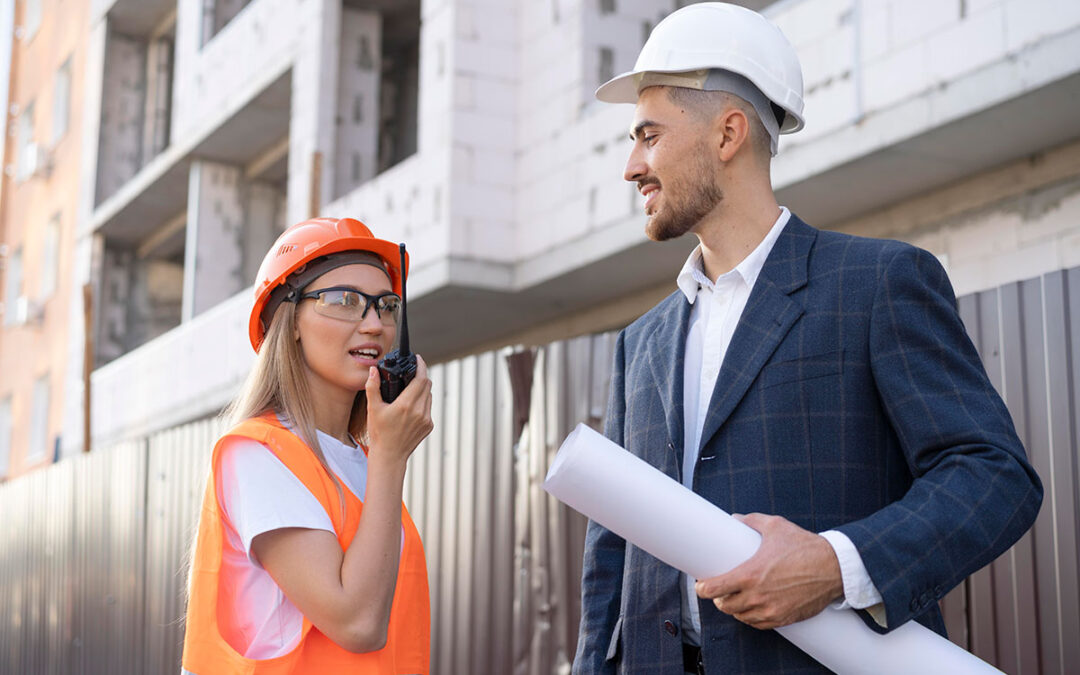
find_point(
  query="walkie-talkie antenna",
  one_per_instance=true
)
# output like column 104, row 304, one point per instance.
column 404, row 342
column 398, row 368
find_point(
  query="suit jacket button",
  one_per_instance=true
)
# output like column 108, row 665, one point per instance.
column 914, row 606
column 671, row 628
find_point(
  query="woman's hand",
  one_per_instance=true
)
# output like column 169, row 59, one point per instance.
column 395, row 429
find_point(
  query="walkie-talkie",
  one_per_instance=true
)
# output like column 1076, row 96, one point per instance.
column 398, row 368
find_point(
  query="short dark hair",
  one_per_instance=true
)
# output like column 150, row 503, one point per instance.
column 705, row 105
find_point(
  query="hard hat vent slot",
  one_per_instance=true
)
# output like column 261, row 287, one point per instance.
column 285, row 248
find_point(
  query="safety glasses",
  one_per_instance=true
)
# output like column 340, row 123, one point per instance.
column 349, row 304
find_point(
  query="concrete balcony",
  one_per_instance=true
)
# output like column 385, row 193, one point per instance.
column 188, row 373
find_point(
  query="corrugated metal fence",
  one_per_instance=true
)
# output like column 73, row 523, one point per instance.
column 92, row 550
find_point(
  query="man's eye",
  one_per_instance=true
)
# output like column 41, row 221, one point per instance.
column 389, row 304
column 649, row 140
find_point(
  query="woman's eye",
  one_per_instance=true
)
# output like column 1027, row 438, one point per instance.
column 350, row 299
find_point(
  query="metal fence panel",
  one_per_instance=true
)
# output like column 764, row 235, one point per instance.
column 92, row 550
column 178, row 463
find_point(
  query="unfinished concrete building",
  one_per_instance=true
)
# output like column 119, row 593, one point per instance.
column 467, row 128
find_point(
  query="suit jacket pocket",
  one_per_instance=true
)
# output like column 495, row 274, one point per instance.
column 802, row 369
column 613, row 645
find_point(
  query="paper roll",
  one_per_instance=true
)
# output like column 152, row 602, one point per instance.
column 634, row 500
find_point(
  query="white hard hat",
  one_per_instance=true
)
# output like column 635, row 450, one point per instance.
column 716, row 35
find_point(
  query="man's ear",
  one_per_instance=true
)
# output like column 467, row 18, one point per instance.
column 731, row 131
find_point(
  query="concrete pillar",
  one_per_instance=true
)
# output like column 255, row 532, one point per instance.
column 158, row 103
column 359, row 72
column 313, row 109
column 265, row 220
column 113, row 324
column 86, row 249
column 213, row 253
column 123, row 94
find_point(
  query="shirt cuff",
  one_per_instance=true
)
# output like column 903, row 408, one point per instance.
column 859, row 589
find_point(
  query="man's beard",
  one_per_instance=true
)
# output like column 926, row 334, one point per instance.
column 675, row 219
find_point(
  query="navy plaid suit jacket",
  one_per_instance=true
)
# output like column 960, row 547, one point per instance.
column 850, row 398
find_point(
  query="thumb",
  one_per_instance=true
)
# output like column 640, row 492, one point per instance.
column 371, row 388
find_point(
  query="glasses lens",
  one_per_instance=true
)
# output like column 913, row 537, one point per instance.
column 351, row 305
column 340, row 304
column 389, row 307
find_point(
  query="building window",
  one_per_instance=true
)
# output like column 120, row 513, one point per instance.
column 13, row 286
column 61, row 102
column 50, row 258
column 26, row 159
column 607, row 64
column 31, row 18
column 39, row 421
column 5, row 436
column 217, row 13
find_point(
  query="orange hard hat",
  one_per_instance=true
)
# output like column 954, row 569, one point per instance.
column 308, row 241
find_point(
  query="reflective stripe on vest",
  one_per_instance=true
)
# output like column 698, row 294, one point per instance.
column 408, row 635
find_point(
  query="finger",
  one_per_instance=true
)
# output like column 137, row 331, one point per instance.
column 732, row 604
column 371, row 388
column 725, row 584
column 757, row 521
column 751, row 620
column 736, row 603
column 420, row 382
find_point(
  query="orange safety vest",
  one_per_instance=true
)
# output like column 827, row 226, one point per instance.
column 408, row 639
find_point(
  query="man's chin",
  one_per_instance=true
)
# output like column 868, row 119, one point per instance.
column 658, row 229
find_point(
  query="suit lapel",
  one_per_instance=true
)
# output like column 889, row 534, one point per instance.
column 666, row 347
column 769, row 315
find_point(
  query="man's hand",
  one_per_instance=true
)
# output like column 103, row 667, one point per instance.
column 792, row 576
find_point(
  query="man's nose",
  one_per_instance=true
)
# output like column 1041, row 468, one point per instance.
column 636, row 168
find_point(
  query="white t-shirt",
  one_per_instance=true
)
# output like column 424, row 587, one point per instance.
column 257, row 494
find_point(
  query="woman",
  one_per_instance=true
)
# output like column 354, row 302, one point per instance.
column 306, row 560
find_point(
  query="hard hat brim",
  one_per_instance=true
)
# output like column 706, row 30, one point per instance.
column 619, row 89
column 387, row 250
column 623, row 89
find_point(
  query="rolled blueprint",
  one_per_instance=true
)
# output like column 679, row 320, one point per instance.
column 626, row 495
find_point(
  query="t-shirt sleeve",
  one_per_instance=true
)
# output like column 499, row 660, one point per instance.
column 258, row 493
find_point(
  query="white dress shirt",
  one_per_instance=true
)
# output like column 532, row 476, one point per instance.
column 715, row 312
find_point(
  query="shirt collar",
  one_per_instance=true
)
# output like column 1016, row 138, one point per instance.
column 692, row 276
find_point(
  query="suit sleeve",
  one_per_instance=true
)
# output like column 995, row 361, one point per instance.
column 602, row 571
column 974, row 492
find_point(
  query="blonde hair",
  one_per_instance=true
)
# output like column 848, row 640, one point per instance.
column 278, row 384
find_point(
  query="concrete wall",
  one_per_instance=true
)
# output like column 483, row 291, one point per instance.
column 214, row 80
column 213, row 253
column 1014, row 222
column 123, row 99
column 190, row 372
column 358, row 95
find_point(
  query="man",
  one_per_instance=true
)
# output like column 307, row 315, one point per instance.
column 823, row 379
